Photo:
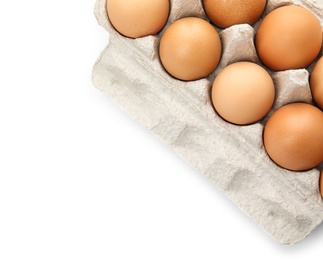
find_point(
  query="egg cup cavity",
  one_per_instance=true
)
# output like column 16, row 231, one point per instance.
column 288, row 206
column 291, row 86
column 181, row 9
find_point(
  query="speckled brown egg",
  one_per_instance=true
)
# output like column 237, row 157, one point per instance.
column 225, row 13
column 316, row 83
column 289, row 37
column 138, row 18
column 190, row 49
column 293, row 136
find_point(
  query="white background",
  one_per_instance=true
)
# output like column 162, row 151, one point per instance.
column 79, row 179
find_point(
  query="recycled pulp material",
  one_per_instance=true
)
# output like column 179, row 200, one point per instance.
column 286, row 204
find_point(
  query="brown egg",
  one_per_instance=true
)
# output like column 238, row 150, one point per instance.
column 321, row 183
column 190, row 49
column 293, row 136
column 138, row 18
column 316, row 82
column 243, row 93
column 289, row 37
column 225, row 13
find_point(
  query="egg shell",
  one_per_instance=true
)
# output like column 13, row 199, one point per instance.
column 316, row 83
column 293, row 136
column 138, row 18
column 225, row 13
column 289, row 37
column 190, row 49
column 243, row 93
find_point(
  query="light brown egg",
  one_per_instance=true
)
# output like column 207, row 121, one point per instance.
column 293, row 136
column 289, row 37
column 138, row 18
column 243, row 93
column 190, row 49
column 316, row 83
column 225, row 13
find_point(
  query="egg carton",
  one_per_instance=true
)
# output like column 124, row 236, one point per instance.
column 286, row 204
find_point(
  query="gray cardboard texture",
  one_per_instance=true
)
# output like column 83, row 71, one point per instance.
column 286, row 204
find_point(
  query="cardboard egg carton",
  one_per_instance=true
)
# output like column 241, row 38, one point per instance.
column 286, row 204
